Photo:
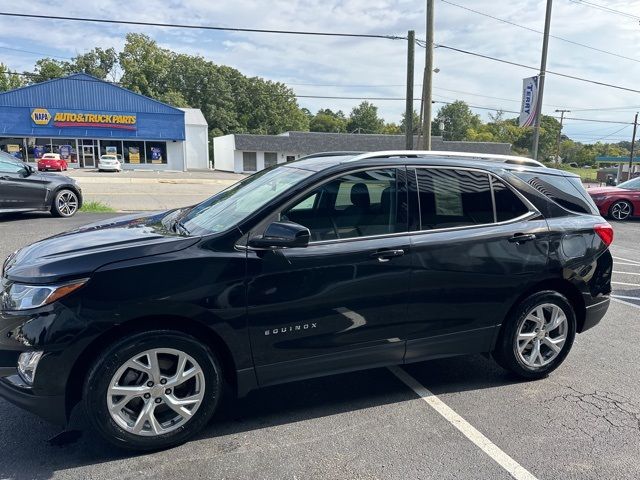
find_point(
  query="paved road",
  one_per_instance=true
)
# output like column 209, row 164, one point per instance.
column 583, row 422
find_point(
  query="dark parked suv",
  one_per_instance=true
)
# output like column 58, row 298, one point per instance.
column 324, row 265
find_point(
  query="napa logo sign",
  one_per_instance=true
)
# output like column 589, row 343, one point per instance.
column 40, row 116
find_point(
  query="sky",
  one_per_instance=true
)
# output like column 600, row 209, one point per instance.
column 365, row 67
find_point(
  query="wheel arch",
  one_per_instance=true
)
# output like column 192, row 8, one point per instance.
column 82, row 365
column 65, row 186
column 564, row 287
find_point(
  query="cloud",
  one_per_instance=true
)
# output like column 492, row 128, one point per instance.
column 380, row 64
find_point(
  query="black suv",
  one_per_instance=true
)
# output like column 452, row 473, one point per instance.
column 324, row 265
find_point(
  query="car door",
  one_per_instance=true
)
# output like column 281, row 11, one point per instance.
column 470, row 260
column 19, row 188
column 340, row 303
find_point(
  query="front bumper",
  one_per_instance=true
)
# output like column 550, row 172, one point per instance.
column 51, row 408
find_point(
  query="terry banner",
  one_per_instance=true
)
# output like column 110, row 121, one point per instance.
column 529, row 101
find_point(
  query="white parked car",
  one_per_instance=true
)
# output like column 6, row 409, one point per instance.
column 110, row 163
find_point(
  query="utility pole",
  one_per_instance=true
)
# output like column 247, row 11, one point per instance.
column 543, row 70
column 428, row 78
column 633, row 141
column 562, row 112
column 408, row 115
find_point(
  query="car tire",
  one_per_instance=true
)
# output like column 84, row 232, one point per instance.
column 620, row 210
column 65, row 203
column 156, row 430
column 525, row 343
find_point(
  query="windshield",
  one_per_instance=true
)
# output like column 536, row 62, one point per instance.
column 633, row 184
column 231, row 206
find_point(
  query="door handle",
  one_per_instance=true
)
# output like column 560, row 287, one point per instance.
column 4, row 178
column 386, row 255
column 519, row 238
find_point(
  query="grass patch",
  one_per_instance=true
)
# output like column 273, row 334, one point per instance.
column 96, row 207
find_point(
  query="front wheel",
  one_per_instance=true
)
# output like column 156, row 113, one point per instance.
column 65, row 203
column 152, row 390
column 620, row 210
column 537, row 337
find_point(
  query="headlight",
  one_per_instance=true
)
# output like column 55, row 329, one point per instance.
column 18, row 296
column 27, row 365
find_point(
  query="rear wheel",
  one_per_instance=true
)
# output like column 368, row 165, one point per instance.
column 621, row 210
column 152, row 390
column 65, row 203
column 537, row 337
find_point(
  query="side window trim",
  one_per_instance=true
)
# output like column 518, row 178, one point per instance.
column 532, row 211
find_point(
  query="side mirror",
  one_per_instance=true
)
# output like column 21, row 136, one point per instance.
column 29, row 170
column 282, row 235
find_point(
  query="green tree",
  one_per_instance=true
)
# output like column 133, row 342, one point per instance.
column 364, row 119
column 392, row 129
column 97, row 62
column 416, row 123
column 457, row 118
column 48, row 69
column 328, row 121
column 8, row 81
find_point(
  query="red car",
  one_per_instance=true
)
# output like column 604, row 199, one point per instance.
column 621, row 202
column 52, row 161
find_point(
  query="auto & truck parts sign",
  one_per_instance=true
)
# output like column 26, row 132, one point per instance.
column 82, row 119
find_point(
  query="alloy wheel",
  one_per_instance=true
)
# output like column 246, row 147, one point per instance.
column 620, row 210
column 67, row 203
column 155, row 392
column 541, row 335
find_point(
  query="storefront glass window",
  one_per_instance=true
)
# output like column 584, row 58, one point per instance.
column 13, row 146
column 111, row 147
column 66, row 147
column 134, row 152
column 156, row 152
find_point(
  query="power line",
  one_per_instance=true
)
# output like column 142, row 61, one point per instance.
column 332, row 97
column 540, row 32
column 559, row 74
column 605, row 9
column 34, row 53
column 202, row 27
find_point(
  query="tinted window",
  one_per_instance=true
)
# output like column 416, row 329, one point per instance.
column 508, row 205
column 567, row 192
column 631, row 184
column 9, row 166
column 453, row 198
column 355, row 205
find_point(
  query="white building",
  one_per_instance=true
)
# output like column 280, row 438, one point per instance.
column 246, row 153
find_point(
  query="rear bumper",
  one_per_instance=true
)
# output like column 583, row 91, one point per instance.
column 51, row 408
column 595, row 313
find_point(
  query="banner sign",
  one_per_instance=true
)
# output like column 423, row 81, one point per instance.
column 65, row 151
column 70, row 119
column 529, row 101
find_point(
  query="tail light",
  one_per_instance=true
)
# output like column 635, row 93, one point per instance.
column 605, row 232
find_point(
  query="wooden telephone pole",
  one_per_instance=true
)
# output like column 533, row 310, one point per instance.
column 562, row 112
column 408, row 114
column 428, row 79
column 633, row 141
column 543, row 70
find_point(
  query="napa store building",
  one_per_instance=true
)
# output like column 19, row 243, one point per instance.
column 81, row 117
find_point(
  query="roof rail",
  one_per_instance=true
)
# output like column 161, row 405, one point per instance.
column 486, row 157
column 331, row 154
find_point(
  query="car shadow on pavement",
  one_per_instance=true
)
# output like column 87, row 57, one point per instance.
column 28, row 455
column 11, row 217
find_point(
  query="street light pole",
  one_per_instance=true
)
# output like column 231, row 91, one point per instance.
column 562, row 112
column 543, row 70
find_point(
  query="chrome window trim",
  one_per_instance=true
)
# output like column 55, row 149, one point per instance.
column 530, row 214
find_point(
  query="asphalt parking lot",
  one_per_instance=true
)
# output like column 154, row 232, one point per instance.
column 583, row 422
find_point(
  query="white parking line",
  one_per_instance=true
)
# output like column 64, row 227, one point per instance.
column 626, row 296
column 629, row 284
column 626, row 303
column 516, row 470
column 628, row 264
column 635, row 262
column 627, row 273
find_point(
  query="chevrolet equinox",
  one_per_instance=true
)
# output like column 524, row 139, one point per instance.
column 328, row 264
